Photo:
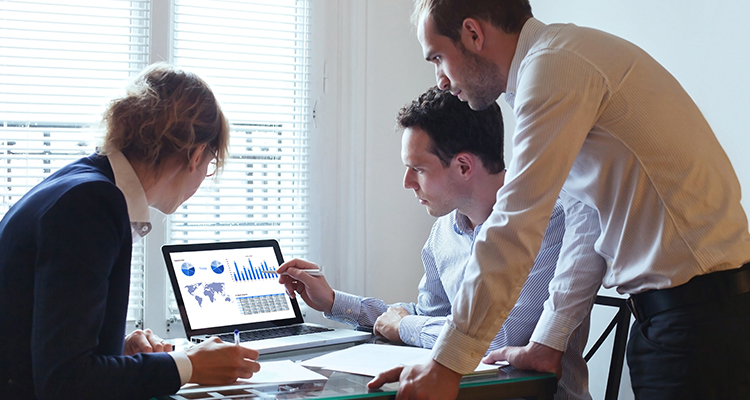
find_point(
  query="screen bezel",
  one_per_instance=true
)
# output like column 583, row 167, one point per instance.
column 180, row 248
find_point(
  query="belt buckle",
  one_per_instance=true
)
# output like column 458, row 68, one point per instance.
column 632, row 307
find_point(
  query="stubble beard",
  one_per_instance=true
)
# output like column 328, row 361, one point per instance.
column 482, row 80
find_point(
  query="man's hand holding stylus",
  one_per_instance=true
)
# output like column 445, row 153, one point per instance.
column 315, row 290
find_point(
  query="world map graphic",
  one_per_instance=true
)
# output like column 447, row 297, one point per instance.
column 212, row 291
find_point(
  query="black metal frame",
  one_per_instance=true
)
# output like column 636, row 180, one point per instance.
column 621, row 320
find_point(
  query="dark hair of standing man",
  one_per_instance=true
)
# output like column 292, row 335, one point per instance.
column 449, row 15
column 454, row 127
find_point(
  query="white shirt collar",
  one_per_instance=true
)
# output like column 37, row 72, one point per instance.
column 130, row 186
column 530, row 33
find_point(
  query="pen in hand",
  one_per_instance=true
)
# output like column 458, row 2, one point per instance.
column 236, row 337
column 310, row 271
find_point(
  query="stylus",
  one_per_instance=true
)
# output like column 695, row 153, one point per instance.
column 309, row 271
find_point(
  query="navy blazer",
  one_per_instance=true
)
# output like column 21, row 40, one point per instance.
column 65, row 251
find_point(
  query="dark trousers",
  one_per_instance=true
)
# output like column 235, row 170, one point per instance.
column 701, row 351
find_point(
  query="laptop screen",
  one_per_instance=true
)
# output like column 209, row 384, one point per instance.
column 220, row 286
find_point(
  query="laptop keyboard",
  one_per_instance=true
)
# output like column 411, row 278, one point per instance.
column 271, row 333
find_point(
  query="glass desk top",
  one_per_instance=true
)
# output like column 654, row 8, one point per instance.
column 506, row 383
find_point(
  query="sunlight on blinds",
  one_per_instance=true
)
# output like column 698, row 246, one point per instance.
column 254, row 55
column 60, row 64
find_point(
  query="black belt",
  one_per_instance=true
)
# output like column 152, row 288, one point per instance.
column 700, row 289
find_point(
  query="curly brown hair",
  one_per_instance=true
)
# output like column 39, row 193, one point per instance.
column 166, row 112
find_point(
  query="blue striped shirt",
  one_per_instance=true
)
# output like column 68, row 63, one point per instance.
column 444, row 255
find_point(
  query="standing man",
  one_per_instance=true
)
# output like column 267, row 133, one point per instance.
column 454, row 164
column 603, row 125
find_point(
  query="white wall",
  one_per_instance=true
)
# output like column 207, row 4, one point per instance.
column 373, row 229
column 397, row 225
column 703, row 44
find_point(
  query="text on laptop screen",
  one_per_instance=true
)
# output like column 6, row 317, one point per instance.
column 227, row 287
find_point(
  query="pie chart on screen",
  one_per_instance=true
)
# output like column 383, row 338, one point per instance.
column 217, row 267
column 188, row 269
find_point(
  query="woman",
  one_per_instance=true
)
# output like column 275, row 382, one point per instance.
column 65, row 251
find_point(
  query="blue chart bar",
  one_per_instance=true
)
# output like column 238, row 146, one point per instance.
column 252, row 273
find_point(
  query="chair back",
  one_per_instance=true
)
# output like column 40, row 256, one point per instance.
column 621, row 321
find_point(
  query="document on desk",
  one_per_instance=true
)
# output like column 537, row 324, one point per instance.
column 271, row 372
column 372, row 359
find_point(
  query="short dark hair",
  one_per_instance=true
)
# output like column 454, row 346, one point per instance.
column 449, row 15
column 454, row 127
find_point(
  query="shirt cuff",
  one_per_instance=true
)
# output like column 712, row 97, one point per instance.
column 184, row 366
column 458, row 351
column 345, row 308
column 410, row 329
column 554, row 330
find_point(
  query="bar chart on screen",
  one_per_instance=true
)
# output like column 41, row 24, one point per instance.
column 243, row 273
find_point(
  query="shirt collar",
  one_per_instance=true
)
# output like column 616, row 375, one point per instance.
column 530, row 33
column 130, row 186
column 462, row 225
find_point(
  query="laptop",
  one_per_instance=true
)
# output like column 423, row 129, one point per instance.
column 219, row 287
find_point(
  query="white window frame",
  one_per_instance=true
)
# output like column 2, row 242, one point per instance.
column 331, row 203
column 156, row 315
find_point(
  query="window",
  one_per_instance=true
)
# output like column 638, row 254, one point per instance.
column 63, row 60
column 254, row 55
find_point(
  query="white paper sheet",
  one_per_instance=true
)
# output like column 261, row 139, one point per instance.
column 372, row 359
column 271, row 372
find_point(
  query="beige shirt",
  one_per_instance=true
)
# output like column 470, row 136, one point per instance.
column 603, row 125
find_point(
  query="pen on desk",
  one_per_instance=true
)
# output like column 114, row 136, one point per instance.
column 236, row 337
column 309, row 271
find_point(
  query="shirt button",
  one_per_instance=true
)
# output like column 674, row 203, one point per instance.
column 348, row 310
column 565, row 330
column 413, row 339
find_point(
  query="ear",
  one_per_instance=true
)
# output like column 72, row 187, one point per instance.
column 465, row 162
column 472, row 34
column 196, row 157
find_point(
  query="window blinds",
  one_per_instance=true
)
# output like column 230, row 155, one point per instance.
column 60, row 63
column 255, row 56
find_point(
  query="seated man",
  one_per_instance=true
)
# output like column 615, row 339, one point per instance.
column 454, row 163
